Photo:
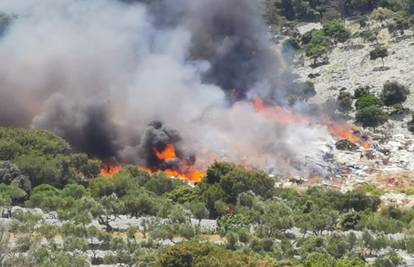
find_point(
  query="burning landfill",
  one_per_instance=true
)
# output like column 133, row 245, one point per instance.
column 169, row 86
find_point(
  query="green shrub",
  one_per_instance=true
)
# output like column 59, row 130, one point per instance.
column 318, row 45
column 336, row 30
column 371, row 116
column 368, row 101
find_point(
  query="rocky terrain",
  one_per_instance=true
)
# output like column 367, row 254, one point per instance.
column 389, row 162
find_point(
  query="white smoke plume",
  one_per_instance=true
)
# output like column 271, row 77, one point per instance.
column 98, row 72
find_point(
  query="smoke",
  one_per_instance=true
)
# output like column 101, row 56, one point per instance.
column 118, row 77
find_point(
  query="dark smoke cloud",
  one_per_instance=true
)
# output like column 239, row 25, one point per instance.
column 87, row 125
column 157, row 136
column 231, row 36
column 100, row 72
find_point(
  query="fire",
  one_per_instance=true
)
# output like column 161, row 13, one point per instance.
column 275, row 113
column 282, row 116
column 349, row 132
column 182, row 170
column 109, row 171
column 168, row 154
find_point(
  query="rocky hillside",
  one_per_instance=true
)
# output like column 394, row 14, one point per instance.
column 348, row 66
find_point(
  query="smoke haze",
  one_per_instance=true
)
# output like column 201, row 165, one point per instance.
column 100, row 72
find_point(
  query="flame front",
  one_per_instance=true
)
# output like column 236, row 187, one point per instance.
column 183, row 170
column 283, row 116
column 276, row 113
column 109, row 171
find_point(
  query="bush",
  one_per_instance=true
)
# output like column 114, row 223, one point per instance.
column 381, row 14
column 187, row 254
column 318, row 259
column 368, row 101
column 394, row 93
column 336, row 30
column 32, row 141
column 345, row 101
column 318, row 45
column 10, row 174
column 372, row 116
column 379, row 52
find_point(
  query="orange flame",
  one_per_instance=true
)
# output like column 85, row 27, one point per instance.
column 167, row 155
column 277, row 114
column 283, row 116
column 348, row 132
column 109, row 171
column 185, row 171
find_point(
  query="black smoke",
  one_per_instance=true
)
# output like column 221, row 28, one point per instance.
column 113, row 77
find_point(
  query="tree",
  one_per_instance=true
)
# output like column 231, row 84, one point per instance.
column 394, row 93
column 379, row 52
column 318, row 46
column 216, row 171
column 276, row 219
column 160, row 184
column 199, row 211
column 111, row 208
column 371, row 116
column 139, row 203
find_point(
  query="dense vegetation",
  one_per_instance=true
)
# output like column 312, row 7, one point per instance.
column 254, row 222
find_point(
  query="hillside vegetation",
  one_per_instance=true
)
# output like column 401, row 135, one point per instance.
column 236, row 217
